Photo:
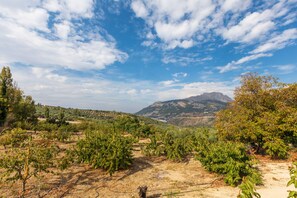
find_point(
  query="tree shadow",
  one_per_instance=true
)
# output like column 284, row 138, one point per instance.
column 139, row 164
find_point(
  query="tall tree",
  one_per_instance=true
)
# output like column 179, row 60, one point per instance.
column 6, row 84
column 14, row 105
column 263, row 114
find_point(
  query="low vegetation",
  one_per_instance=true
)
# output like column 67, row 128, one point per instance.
column 261, row 119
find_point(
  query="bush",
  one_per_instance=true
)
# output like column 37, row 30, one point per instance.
column 110, row 151
column 247, row 187
column 44, row 126
column 174, row 145
column 227, row 158
column 276, row 148
column 15, row 137
column 59, row 135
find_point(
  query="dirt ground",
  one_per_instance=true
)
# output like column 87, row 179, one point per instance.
column 163, row 178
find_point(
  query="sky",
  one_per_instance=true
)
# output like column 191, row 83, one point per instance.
column 125, row 55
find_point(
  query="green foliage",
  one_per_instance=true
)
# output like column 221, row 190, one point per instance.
column 24, row 163
column 14, row 105
column 110, row 151
column 293, row 180
column 44, row 126
column 276, row 148
column 247, row 187
column 173, row 144
column 14, row 137
column 226, row 158
column 263, row 114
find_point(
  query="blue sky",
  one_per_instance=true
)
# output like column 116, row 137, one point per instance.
column 125, row 55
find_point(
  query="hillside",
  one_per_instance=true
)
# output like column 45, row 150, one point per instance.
column 192, row 111
column 86, row 114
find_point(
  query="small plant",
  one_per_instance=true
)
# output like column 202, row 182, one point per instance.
column 293, row 180
column 247, row 187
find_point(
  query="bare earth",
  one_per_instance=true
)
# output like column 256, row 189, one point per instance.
column 164, row 178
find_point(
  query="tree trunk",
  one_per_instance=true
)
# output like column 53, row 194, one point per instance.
column 23, row 188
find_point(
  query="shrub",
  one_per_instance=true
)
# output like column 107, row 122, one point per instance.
column 175, row 146
column 110, row 151
column 24, row 163
column 227, row 158
column 276, row 148
column 44, row 126
column 15, row 137
column 247, row 187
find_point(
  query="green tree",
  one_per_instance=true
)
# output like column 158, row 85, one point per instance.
column 21, row 164
column 14, row 105
column 262, row 114
column 46, row 113
column 6, row 84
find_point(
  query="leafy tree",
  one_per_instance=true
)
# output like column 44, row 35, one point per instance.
column 46, row 113
column 263, row 114
column 6, row 84
column 21, row 164
column 14, row 106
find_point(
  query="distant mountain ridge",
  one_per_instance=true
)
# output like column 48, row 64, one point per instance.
column 192, row 111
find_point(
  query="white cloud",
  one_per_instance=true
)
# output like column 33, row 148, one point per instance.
column 236, row 64
column 183, row 24
column 286, row 69
column 196, row 88
column 63, row 45
column 235, row 5
column 70, row 8
column 251, row 57
column 139, row 8
column 250, row 28
column 52, row 87
column 229, row 67
column 278, row 42
column 166, row 18
column 185, row 59
column 168, row 83
column 180, row 75
column 63, row 29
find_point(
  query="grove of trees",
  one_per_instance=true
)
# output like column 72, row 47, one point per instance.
column 261, row 119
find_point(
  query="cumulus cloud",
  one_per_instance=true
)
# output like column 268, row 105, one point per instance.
column 26, row 36
column 183, row 24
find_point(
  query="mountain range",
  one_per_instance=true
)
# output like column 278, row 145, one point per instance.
column 193, row 111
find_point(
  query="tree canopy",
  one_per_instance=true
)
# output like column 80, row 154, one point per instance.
column 14, row 105
column 263, row 114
